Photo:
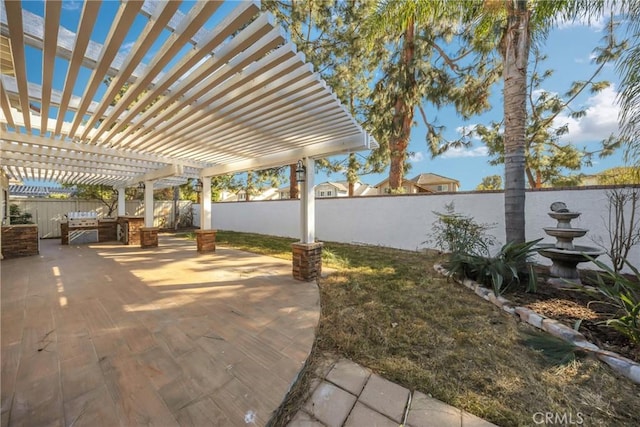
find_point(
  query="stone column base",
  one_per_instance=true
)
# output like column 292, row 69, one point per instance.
column 64, row 233
column 148, row 237
column 206, row 240
column 307, row 261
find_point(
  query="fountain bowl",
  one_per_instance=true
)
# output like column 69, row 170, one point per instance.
column 565, row 236
column 578, row 254
column 565, row 261
column 564, row 218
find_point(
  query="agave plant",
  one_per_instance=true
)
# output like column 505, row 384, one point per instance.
column 623, row 293
column 499, row 271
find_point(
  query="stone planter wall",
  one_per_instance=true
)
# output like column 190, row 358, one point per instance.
column 618, row 363
column 19, row 240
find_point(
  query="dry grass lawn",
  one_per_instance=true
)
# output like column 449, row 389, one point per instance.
column 388, row 310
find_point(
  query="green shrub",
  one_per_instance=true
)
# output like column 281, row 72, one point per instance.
column 17, row 216
column 500, row 271
column 623, row 293
column 457, row 233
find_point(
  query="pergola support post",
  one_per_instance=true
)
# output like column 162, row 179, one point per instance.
column 307, row 254
column 122, row 208
column 206, row 236
column 148, row 233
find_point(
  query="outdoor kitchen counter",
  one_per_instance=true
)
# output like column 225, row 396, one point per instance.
column 106, row 228
column 19, row 240
column 130, row 229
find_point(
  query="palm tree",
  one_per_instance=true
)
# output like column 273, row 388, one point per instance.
column 629, row 68
column 511, row 25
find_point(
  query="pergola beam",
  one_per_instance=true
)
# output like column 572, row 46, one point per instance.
column 14, row 16
column 87, row 20
column 356, row 143
column 247, row 39
column 92, row 149
column 157, row 21
column 197, row 16
column 52, row 18
column 165, row 172
column 222, row 99
column 123, row 20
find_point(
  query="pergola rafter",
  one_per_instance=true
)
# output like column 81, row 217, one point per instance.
column 221, row 92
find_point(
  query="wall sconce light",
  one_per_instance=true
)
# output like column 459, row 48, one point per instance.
column 198, row 186
column 301, row 172
column 141, row 186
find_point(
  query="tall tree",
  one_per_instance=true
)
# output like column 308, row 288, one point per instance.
column 433, row 61
column 514, row 48
column 508, row 26
column 619, row 175
column 547, row 158
column 629, row 68
column 328, row 34
column 491, row 182
column 306, row 22
column 103, row 193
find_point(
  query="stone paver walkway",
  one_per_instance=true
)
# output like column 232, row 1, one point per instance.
column 346, row 394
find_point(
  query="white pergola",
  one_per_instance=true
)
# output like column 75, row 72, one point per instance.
column 211, row 89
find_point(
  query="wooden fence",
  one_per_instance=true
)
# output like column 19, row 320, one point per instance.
column 48, row 213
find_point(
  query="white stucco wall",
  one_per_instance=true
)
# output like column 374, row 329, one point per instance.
column 404, row 221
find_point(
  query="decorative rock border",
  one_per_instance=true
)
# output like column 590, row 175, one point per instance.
column 620, row 364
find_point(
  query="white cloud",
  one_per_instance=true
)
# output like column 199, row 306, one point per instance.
column 71, row 5
column 595, row 23
column 600, row 121
column 416, row 157
column 469, row 132
column 458, row 152
column 125, row 48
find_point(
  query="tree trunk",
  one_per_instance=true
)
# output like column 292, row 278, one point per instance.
column 293, row 182
column 403, row 113
column 352, row 173
column 176, row 210
column 530, row 178
column 515, row 51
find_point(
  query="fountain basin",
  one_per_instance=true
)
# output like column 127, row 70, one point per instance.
column 565, row 236
column 565, row 261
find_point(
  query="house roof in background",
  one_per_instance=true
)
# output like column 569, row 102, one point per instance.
column 432, row 179
column 225, row 92
column 423, row 179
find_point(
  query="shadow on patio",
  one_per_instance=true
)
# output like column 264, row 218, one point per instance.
column 109, row 334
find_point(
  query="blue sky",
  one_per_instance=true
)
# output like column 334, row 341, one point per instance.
column 569, row 49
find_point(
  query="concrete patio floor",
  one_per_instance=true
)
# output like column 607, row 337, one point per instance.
column 108, row 334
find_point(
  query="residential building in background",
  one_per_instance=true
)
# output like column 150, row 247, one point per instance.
column 341, row 189
column 423, row 183
column 323, row 190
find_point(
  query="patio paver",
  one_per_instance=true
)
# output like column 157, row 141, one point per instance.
column 377, row 404
column 349, row 375
column 110, row 334
column 387, row 397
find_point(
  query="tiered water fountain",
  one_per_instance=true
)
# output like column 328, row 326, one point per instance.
column 565, row 255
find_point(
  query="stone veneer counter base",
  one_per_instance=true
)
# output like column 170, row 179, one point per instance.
column 19, row 240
